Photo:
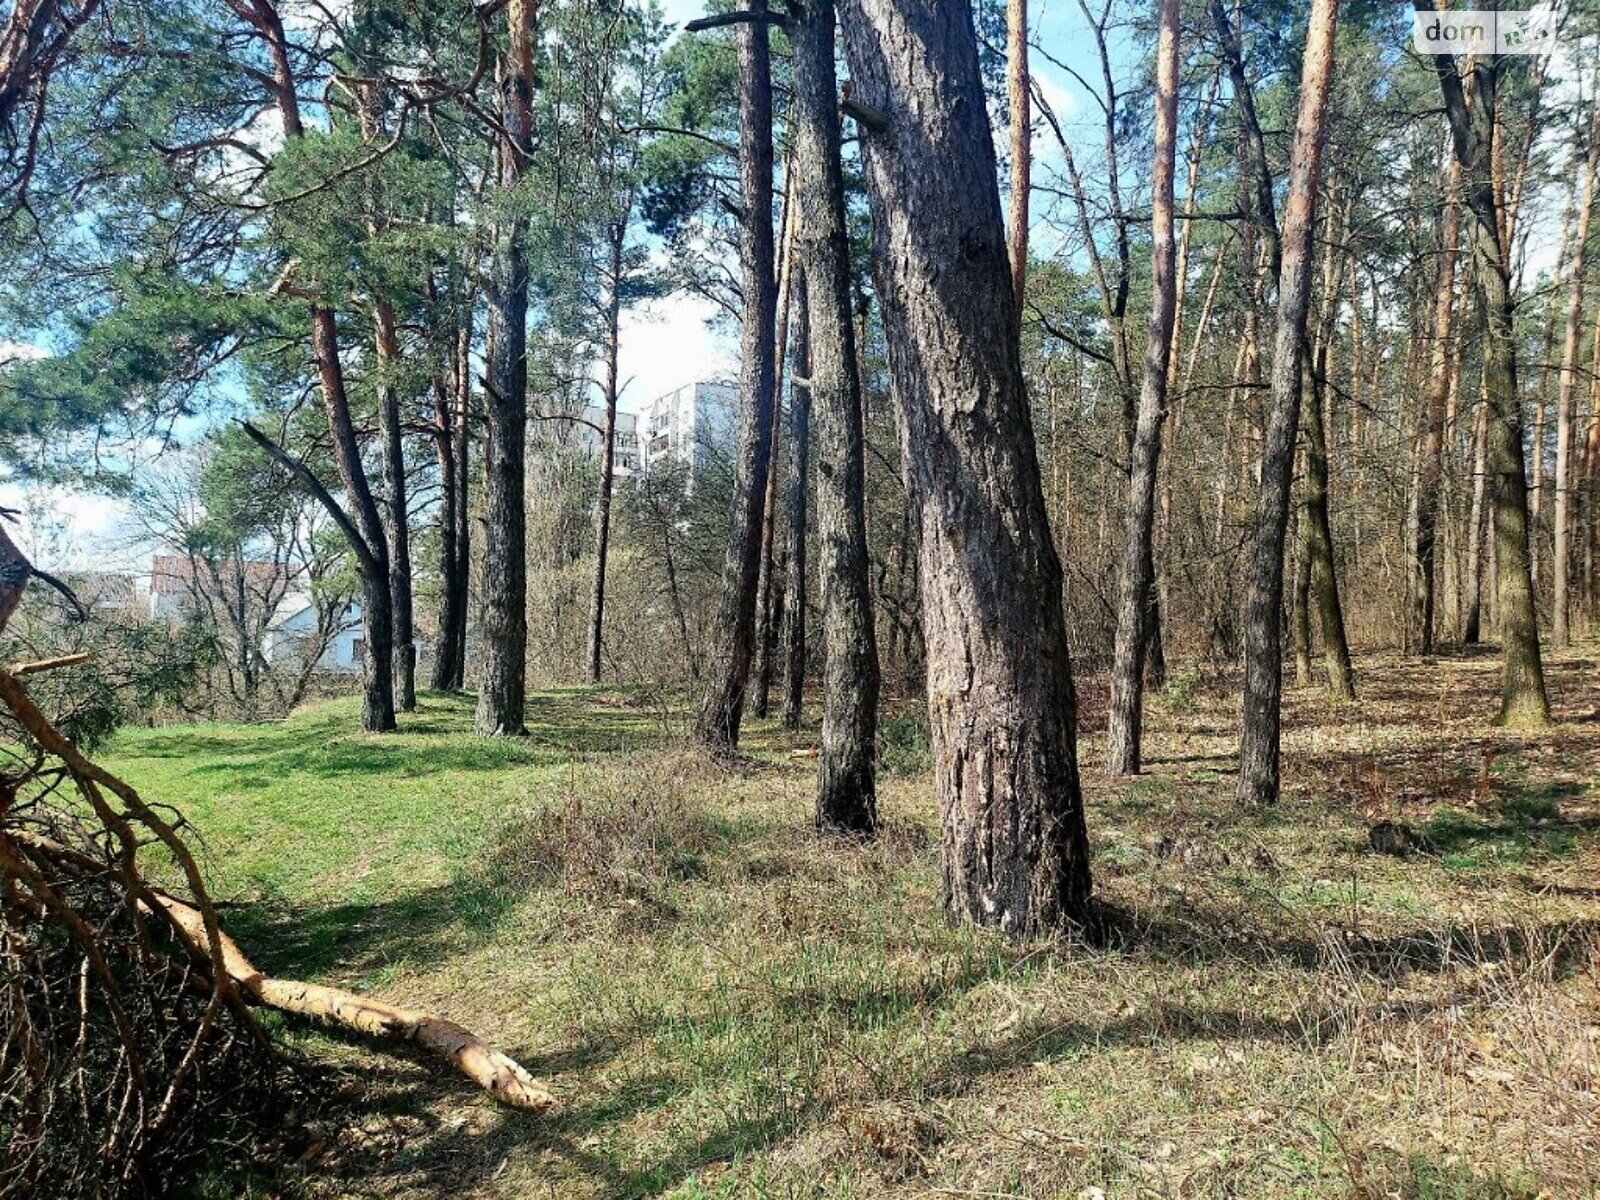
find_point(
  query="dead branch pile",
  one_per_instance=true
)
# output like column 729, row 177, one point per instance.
column 127, row 1042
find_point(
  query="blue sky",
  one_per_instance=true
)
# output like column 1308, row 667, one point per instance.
column 668, row 343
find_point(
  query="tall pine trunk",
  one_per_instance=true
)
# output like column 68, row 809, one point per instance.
column 846, row 782
column 444, row 445
column 1135, row 599
column 722, row 708
column 503, row 627
column 364, row 533
column 1425, row 498
column 392, row 437
column 794, row 592
column 1561, row 600
column 1523, row 701
column 608, row 454
column 1319, row 540
column 1000, row 693
column 1263, row 634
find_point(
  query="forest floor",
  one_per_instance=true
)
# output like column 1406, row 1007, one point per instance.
column 728, row 1007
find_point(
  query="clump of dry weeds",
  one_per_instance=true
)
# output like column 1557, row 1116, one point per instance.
column 623, row 831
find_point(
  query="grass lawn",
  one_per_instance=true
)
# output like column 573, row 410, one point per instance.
column 729, row 1008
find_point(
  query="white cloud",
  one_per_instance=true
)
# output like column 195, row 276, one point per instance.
column 666, row 344
column 1063, row 103
column 59, row 528
column 13, row 352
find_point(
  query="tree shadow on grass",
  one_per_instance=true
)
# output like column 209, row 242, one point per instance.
column 1196, row 936
column 1525, row 822
column 351, row 940
column 436, row 737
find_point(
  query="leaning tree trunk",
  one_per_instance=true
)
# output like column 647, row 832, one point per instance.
column 502, row 687
column 1523, row 701
column 1263, row 634
column 1000, row 694
column 608, row 455
column 1136, row 594
column 794, row 591
column 722, row 708
column 1425, row 498
column 377, row 694
column 391, row 434
column 365, row 532
column 846, row 784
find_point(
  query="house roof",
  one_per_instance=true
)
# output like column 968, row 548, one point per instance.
column 175, row 575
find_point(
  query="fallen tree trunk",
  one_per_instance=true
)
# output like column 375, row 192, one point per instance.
column 109, row 827
column 495, row 1072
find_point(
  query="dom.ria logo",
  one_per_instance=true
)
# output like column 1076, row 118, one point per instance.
column 1485, row 31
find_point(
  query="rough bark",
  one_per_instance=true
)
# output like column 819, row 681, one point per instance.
column 1425, row 497
column 397, row 528
column 722, row 709
column 769, row 585
column 1561, row 559
column 608, row 454
column 1472, row 624
column 1000, row 693
column 377, row 696
column 1523, row 701
column 846, row 783
column 1136, row 591
column 794, row 592
column 445, row 664
column 1319, row 542
column 364, row 531
column 1263, row 635
column 503, row 626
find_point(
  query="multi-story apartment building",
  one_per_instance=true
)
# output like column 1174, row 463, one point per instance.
column 691, row 425
column 628, row 461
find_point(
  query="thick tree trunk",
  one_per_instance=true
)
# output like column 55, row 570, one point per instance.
column 502, row 685
column 391, row 435
column 846, row 784
column 1136, row 594
column 1000, row 694
column 1425, row 497
column 608, row 455
column 1263, row 688
column 794, row 592
column 1523, row 701
column 722, row 708
column 1591, row 555
column 1562, row 558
